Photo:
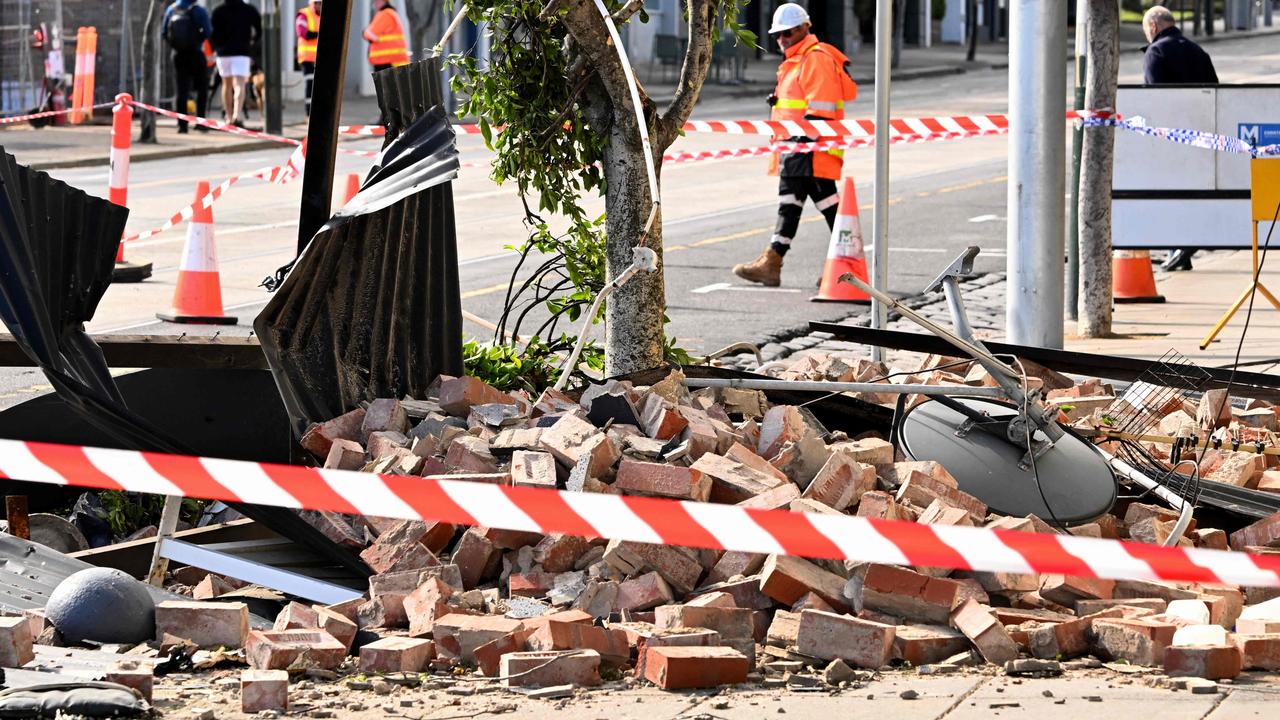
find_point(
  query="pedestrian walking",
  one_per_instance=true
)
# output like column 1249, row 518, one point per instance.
column 185, row 28
column 237, row 28
column 306, row 25
column 813, row 83
column 1172, row 58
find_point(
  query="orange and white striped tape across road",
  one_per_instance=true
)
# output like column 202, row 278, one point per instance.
column 636, row 519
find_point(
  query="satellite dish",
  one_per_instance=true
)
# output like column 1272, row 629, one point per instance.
column 1074, row 476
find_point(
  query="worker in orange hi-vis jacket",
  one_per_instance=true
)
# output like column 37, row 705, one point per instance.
column 813, row 84
column 306, row 25
column 387, row 46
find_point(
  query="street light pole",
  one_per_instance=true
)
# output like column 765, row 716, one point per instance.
column 880, row 212
column 1073, row 192
column 1037, row 123
column 322, row 129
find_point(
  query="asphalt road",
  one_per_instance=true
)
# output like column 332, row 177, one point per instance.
column 944, row 196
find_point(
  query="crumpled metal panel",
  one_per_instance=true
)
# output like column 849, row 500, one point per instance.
column 30, row 571
column 57, row 251
column 372, row 308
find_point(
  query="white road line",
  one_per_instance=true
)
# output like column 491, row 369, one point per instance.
column 724, row 286
column 984, row 218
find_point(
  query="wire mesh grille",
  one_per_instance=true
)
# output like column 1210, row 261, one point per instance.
column 1159, row 390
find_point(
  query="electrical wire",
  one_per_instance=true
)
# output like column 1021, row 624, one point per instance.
column 1248, row 315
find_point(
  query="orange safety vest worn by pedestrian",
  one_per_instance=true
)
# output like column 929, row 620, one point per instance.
column 307, row 48
column 812, row 83
column 386, row 39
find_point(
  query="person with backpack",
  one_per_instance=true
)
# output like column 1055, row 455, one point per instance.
column 186, row 26
column 237, row 26
column 813, row 84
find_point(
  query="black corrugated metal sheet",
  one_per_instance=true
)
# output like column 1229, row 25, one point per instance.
column 372, row 308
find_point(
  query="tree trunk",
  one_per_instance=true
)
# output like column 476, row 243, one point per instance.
column 150, row 89
column 971, row 28
column 634, row 313
column 424, row 23
column 1096, row 157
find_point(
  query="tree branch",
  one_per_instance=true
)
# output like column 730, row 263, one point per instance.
column 583, row 22
column 697, row 60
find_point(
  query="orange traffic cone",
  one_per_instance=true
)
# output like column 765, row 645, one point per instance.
column 197, row 298
column 1132, row 278
column 353, row 187
column 845, row 254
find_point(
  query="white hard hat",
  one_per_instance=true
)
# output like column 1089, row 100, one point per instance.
column 787, row 16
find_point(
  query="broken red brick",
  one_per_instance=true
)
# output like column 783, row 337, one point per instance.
column 296, row 615
column 318, row 439
column 129, row 674
column 457, row 636
column 645, row 592
column 16, row 647
column 399, row 549
column 559, row 553
column 476, row 557
column 533, row 469
column 396, row 654
column 841, row 482
column 906, row 594
column 927, row 644
column 206, row 624
column 684, row 668
column 579, row 668
column 264, row 690
column 342, row 629
column 425, row 605
column 1139, row 641
column 732, row 564
column 922, row 489
column 778, row 497
column 611, row 644
column 1264, row 533
column 859, row 642
column 732, row 481
column 1259, row 652
column 458, row 395
column 489, row 655
column 344, row 455
column 293, row 650
column 1067, row 590
column 662, row 480
column 471, row 454
column 786, row 579
column 985, row 632
column 1213, row 662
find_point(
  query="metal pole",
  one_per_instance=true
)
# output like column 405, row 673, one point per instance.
column 322, row 131
column 272, row 68
column 880, row 212
column 1037, row 123
column 1073, row 192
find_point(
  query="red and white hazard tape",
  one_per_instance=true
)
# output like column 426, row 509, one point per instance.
column 790, row 147
column 48, row 114
column 273, row 174
column 637, row 519
column 245, row 132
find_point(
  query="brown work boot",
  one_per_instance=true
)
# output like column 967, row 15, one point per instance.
column 766, row 269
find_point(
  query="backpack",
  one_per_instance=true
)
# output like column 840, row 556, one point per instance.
column 183, row 32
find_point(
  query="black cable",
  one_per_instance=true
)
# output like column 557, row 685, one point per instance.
column 1248, row 315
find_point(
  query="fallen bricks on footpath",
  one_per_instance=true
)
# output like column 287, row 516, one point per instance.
column 529, row 609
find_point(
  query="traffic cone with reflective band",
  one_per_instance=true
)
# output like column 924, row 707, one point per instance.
column 1132, row 278
column 197, row 299
column 845, row 254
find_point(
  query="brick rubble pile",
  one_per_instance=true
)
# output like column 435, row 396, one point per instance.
column 533, row 610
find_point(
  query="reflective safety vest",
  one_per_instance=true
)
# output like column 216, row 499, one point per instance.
column 812, row 83
column 307, row 48
column 386, row 39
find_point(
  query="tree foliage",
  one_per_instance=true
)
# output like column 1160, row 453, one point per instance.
column 544, row 104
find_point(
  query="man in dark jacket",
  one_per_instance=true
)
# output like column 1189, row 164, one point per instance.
column 1173, row 59
column 236, row 28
